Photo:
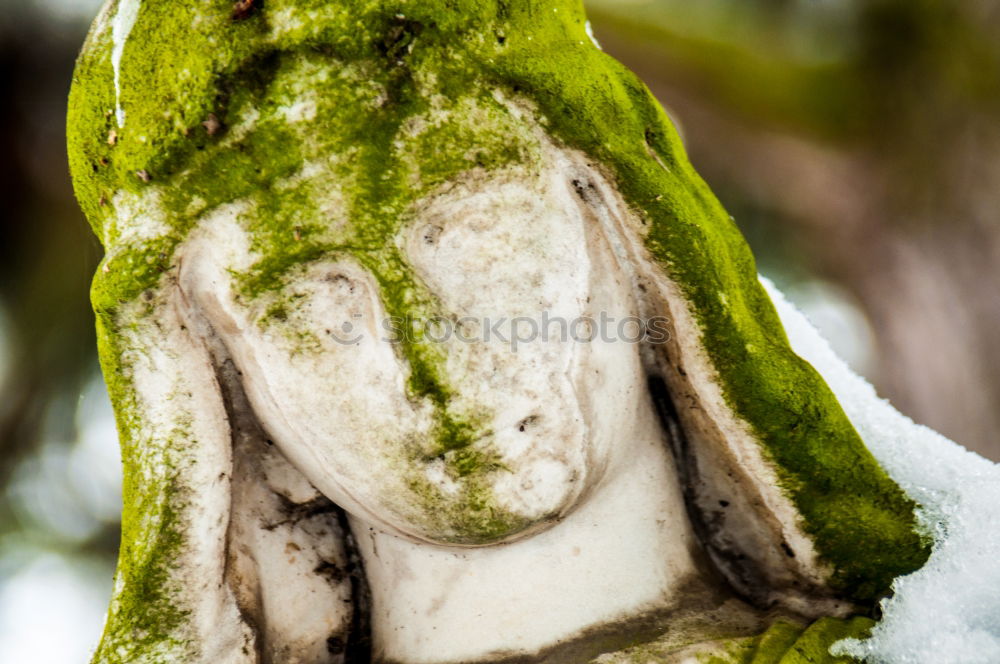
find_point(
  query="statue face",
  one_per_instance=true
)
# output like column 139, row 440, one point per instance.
column 533, row 418
column 359, row 164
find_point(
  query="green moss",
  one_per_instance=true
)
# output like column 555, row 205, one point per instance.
column 472, row 515
column 785, row 643
column 813, row 647
column 773, row 644
column 144, row 618
column 399, row 99
column 277, row 311
column 740, row 651
column 782, row 643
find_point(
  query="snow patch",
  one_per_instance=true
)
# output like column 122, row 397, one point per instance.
column 590, row 33
column 121, row 27
column 949, row 610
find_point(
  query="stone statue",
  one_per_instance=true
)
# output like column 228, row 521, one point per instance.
column 288, row 191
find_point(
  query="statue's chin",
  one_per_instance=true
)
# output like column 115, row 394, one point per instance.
column 499, row 501
column 458, row 536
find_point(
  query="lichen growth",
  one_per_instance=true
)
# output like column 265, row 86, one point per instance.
column 471, row 514
column 392, row 100
column 782, row 642
column 143, row 619
column 785, row 643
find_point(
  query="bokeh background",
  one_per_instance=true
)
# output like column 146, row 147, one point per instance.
column 856, row 142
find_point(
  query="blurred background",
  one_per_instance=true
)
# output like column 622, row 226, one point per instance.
column 856, row 142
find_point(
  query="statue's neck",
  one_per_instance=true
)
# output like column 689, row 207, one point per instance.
column 626, row 552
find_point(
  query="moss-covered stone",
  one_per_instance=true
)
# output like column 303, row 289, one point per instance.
column 786, row 643
column 392, row 99
column 813, row 646
column 782, row 643
column 143, row 617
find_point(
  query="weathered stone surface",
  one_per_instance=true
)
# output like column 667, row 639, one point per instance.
column 270, row 177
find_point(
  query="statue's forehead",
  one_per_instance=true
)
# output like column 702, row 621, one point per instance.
column 334, row 188
column 503, row 244
column 513, row 239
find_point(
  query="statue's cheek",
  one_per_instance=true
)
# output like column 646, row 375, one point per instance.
column 321, row 380
column 332, row 387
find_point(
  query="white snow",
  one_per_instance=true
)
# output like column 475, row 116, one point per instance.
column 590, row 33
column 949, row 610
column 121, row 27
